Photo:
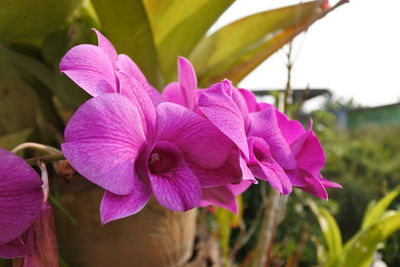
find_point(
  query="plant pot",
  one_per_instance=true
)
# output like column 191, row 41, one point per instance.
column 154, row 237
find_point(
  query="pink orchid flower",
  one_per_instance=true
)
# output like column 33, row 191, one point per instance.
column 21, row 198
column 132, row 145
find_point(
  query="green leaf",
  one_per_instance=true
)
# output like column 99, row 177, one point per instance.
column 126, row 24
column 236, row 49
column 224, row 219
column 331, row 232
column 30, row 21
column 9, row 141
column 375, row 209
column 18, row 100
column 179, row 25
column 360, row 249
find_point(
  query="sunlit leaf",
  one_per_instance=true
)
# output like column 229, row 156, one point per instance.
column 179, row 25
column 376, row 209
column 331, row 233
column 236, row 49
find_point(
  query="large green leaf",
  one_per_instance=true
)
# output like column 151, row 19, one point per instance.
column 359, row 250
column 236, row 49
column 30, row 21
column 18, row 100
column 375, row 210
column 126, row 24
column 331, row 233
column 179, row 25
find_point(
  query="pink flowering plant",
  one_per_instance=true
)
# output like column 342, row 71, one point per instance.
column 187, row 147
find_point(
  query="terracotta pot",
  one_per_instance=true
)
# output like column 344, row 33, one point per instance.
column 153, row 237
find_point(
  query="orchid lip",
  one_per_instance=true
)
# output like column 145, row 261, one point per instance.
column 162, row 160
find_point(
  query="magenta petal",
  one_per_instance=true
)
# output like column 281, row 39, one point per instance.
column 126, row 65
column 291, row 129
column 106, row 46
column 200, row 141
column 21, row 196
column 265, row 167
column 115, row 207
column 102, row 142
column 250, row 99
column 219, row 107
column 264, row 124
column 240, row 188
column 173, row 183
column 172, row 93
column 91, row 68
column 13, row 249
column 229, row 172
column 188, row 82
column 313, row 185
column 327, row 183
column 310, row 156
column 133, row 90
column 219, row 196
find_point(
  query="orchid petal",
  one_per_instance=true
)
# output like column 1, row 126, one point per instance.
column 200, row 141
column 188, row 81
column 265, row 167
column 172, row 93
column 13, row 249
column 219, row 196
column 291, row 129
column 250, row 99
column 219, row 107
column 174, row 185
column 106, row 46
column 313, row 185
column 310, row 156
column 133, row 90
column 126, row 65
column 102, row 141
column 264, row 124
column 115, row 207
column 21, row 196
column 91, row 68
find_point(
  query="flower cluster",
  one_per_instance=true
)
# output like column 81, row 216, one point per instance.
column 187, row 147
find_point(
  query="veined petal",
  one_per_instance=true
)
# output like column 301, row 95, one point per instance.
column 310, row 155
column 106, row 46
column 188, row 82
column 229, row 172
column 219, row 196
column 240, row 188
column 219, row 107
column 138, row 96
column 291, row 129
column 125, row 64
column 264, row 124
column 91, row 68
column 13, row 249
column 172, row 93
column 313, row 185
column 102, row 142
column 250, row 99
column 21, row 196
column 173, row 183
column 264, row 167
column 115, row 207
column 200, row 141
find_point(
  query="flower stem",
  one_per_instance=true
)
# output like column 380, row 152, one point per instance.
column 45, row 159
column 37, row 147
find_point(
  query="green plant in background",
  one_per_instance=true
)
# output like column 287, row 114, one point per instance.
column 377, row 225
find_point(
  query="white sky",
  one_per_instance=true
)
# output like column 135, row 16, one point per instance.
column 353, row 51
